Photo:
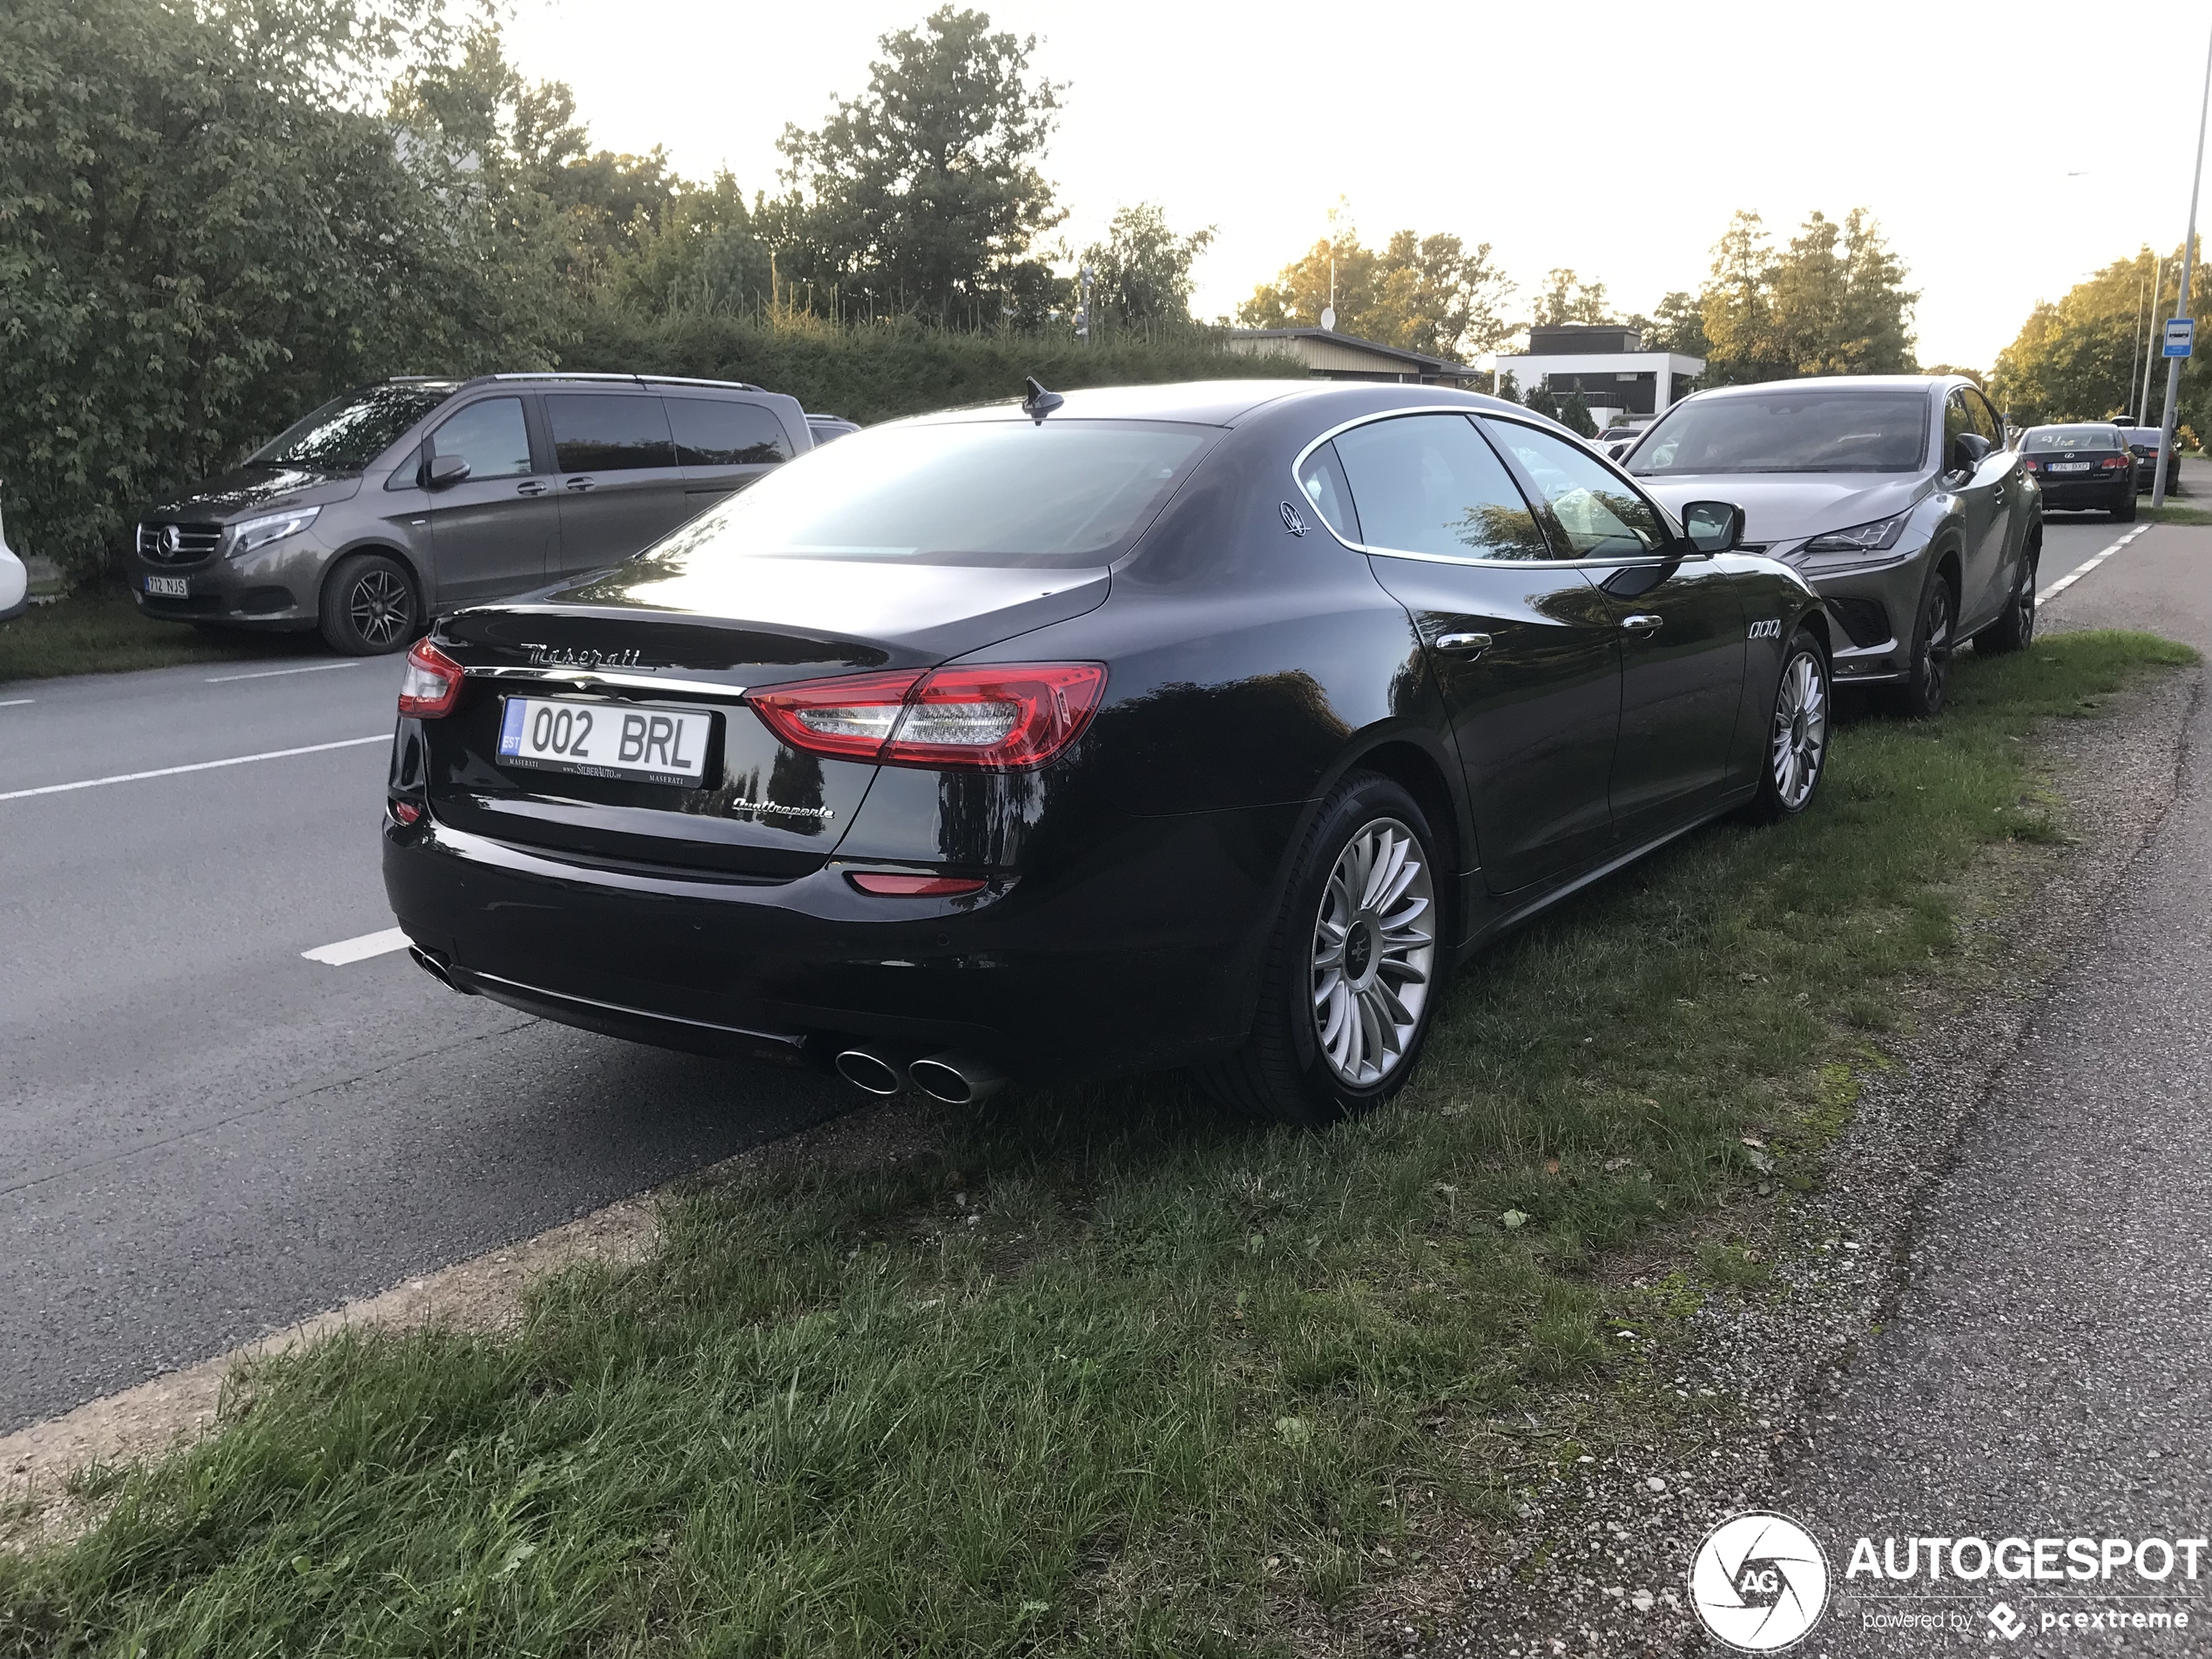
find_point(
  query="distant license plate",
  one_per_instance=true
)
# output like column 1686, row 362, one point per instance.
column 168, row 587
column 606, row 740
column 2069, row 466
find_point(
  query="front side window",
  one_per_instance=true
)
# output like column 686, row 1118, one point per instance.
column 1956, row 424
column 1822, row 428
column 490, row 436
column 1428, row 483
column 1008, row 494
column 1984, row 417
column 608, row 432
column 348, row 433
column 721, row 432
column 1602, row 517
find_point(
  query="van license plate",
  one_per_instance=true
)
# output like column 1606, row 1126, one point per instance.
column 168, row 587
column 606, row 740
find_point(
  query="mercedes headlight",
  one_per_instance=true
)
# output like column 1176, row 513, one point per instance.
column 1876, row 537
column 272, row 527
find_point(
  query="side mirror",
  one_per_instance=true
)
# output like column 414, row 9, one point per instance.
column 1713, row 526
column 445, row 472
column 1968, row 451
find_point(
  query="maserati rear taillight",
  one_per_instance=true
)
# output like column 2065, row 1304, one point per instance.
column 883, row 883
column 996, row 717
column 431, row 682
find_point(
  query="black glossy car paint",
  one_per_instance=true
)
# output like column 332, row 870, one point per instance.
column 1254, row 658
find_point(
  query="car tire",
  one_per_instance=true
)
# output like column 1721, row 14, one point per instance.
column 2015, row 629
column 2124, row 511
column 1353, row 948
column 1797, row 735
column 370, row 607
column 1927, row 672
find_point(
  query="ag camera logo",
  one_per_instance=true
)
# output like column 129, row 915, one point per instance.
column 1759, row 1582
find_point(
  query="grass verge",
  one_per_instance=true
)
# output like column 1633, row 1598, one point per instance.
column 2173, row 513
column 101, row 632
column 1106, row 1371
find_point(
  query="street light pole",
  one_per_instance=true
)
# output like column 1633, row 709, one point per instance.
column 2157, row 293
column 2189, row 255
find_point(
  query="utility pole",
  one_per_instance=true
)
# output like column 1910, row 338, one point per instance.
column 2189, row 254
column 2127, row 395
column 2157, row 293
column 1082, row 309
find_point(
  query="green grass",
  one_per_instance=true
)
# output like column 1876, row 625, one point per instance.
column 101, row 632
column 1110, row 1372
column 2173, row 513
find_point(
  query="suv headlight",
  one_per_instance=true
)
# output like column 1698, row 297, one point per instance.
column 1876, row 537
column 272, row 527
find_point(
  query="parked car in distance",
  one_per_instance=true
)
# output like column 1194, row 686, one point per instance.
column 2087, row 464
column 388, row 504
column 1616, row 438
column 14, row 581
column 2142, row 443
column 827, row 426
column 1894, row 496
column 1132, row 728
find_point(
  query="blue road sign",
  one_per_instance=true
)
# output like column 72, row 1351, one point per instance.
column 2180, row 336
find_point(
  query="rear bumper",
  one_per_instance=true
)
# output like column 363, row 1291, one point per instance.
column 2088, row 494
column 1144, row 957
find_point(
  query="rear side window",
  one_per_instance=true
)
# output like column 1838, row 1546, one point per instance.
column 1601, row 516
column 490, row 436
column 718, row 431
column 1428, row 483
column 1322, row 479
column 602, row 432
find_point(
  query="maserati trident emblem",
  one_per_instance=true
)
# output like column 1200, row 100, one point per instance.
column 1292, row 521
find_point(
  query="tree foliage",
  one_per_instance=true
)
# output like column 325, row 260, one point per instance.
column 1833, row 302
column 924, row 193
column 1566, row 298
column 1142, row 271
column 1428, row 293
column 2081, row 357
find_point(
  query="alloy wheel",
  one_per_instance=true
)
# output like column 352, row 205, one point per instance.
column 1935, row 660
column 380, row 607
column 1800, row 729
column 1373, row 957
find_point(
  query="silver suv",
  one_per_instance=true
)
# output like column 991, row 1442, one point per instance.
column 395, row 502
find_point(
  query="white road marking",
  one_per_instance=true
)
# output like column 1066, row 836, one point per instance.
column 201, row 766
column 270, row 673
column 358, row 950
column 2082, row 570
column 17, row 702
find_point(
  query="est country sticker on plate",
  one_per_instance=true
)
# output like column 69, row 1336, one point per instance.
column 606, row 740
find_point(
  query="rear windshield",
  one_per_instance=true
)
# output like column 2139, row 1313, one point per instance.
column 998, row 493
column 1823, row 430
column 2057, row 439
column 348, row 433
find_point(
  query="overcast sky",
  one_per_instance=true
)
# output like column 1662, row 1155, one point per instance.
column 1991, row 141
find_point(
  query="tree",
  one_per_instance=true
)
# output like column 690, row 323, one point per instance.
column 1833, row 302
column 1566, row 298
column 924, row 193
column 210, row 226
column 1678, row 324
column 2080, row 357
column 1142, row 271
column 1428, row 293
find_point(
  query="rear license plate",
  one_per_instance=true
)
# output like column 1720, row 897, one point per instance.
column 2069, row 466
column 606, row 740
column 168, row 587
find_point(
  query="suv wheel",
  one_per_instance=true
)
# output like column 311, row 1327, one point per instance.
column 1927, row 675
column 369, row 607
column 2015, row 629
column 1348, row 986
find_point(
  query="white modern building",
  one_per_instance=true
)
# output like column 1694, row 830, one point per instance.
column 1607, row 364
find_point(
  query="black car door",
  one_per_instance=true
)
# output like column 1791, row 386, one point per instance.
column 1681, row 627
column 1523, row 645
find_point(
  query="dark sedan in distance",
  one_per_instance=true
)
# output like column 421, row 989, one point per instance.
column 1206, row 725
column 2084, row 467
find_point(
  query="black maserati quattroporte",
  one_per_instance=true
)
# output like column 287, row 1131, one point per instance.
column 1203, row 724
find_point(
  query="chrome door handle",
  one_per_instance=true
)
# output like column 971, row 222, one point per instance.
column 579, row 485
column 533, row 487
column 1642, row 624
column 1474, row 644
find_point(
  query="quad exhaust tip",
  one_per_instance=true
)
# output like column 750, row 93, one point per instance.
column 954, row 1077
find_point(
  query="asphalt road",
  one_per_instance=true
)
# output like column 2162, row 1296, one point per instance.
column 2049, row 1370
column 204, row 1136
